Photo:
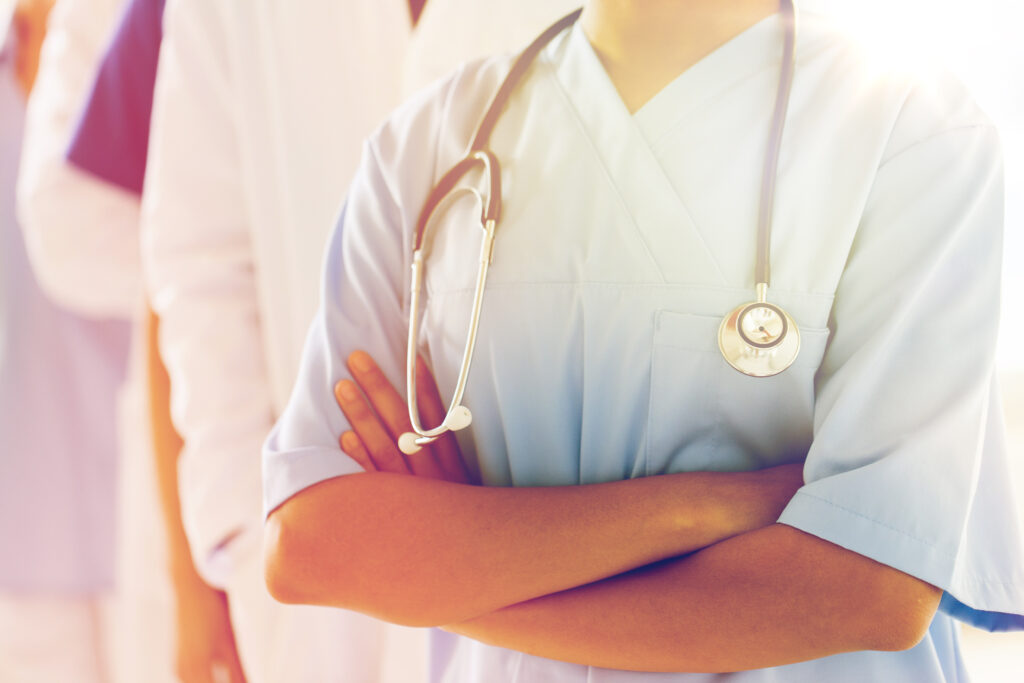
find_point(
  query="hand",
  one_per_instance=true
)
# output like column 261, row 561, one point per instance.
column 377, row 424
column 205, row 650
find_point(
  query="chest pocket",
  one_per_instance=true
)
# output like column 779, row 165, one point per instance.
column 704, row 415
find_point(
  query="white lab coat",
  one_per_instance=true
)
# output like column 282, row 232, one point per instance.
column 259, row 111
column 260, row 114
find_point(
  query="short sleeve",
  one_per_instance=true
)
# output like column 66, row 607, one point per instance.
column 361, row 307
column 908, row 465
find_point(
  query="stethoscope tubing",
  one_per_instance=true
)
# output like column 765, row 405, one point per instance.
column 457, row 415
column 769, row 176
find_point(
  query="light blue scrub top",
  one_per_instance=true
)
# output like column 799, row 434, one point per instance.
column 59, row 382
column 626, row 238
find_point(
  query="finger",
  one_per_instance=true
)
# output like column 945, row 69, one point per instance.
column 354, row 448
column 446, row 449
column 392, row 408
column 378, row 442
column 388, row 403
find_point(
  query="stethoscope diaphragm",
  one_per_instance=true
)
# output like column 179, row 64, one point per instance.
column 759, row 339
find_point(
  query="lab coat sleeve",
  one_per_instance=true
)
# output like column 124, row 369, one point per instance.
column 907, row 465
column 199, row 266
column 362, row 307
column 81, row 233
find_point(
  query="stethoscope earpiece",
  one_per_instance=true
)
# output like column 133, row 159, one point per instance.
column 407, row 443
column 457, row 418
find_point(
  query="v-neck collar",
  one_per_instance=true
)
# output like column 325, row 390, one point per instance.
column 756, row 48
column 662, row 220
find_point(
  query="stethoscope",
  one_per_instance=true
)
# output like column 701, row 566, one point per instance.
column 758, row 338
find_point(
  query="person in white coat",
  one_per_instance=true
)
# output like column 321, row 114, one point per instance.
column 260, row 113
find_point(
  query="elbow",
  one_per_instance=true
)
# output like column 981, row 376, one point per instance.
column 291, row 567
column 280, row 564
column 299, row 568
column 906, row 607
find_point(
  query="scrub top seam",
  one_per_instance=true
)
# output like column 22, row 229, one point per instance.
column 551, row 75
column 655, row 157
column 914, row 145
column 632, row 285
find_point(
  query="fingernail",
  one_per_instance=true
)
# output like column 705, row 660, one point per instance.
column 348, row 391
column 361, row 361
column 349, row 441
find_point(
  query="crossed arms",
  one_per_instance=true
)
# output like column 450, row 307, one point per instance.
column 695, row 572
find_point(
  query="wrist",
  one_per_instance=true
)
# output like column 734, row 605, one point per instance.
column 183, row 572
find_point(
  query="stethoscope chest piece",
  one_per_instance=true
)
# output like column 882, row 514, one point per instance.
column 759, row 339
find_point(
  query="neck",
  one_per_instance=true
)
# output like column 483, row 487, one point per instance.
column 645, row 44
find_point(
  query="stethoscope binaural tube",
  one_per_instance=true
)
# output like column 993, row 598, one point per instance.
column 457, row 416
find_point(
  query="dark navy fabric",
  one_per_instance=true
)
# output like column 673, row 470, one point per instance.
column 112, row 136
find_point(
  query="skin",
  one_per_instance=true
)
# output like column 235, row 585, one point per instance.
column 555, row 625
column 450, row 551
column 782, row 596
column 646, row 44
column 29, row 23
column 698, row 576
column 205, row 648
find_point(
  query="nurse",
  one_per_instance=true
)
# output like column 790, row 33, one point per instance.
column 641, row 512
column 60, row 375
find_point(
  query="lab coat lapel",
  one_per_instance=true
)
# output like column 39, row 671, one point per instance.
column 662, row 221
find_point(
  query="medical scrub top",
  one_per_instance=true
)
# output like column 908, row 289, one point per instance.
column 624, row 240
column 112, row 137
column 59, row 381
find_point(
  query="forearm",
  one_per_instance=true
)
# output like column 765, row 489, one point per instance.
column 426, row 552
column 166, row 447
column 765, row 598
